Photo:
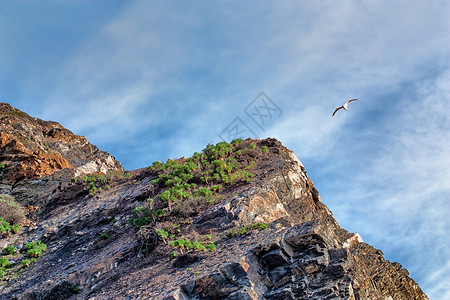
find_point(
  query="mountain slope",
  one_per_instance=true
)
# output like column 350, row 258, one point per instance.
column 235, row 221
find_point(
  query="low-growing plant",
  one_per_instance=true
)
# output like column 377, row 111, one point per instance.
column 25, row 263
column 104, row 235
column 144, row 216
column 15, row 228
column 4, row 226
column 9, row 250
column 245, row 229
column 258, row 226
column 162, row 234
column 211, row 246
column 4, row 262
column 35, row 249
column 204, row 191
column 185, row 245
column 265, row 149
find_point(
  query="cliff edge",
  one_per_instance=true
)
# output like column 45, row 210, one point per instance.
column 238, row 220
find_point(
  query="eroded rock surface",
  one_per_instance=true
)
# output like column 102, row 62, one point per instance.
column 32, row 148
column 303, row 254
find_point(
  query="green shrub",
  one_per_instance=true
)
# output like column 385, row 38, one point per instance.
column 211, row 246
column 144, row 216
column 258, row 226
column 204, row 191
column 265, row 149
column 162, row 234
column 236, row 141
column 4, row 226
column 35, row 249
column 178, row 179
column 185, row 245
column 9, row 250
column 4, row 262
column 15, row 228
column 25, row 263
column 244, row 229
column 104, row 235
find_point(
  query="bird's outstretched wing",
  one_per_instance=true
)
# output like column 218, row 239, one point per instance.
column 351, row 100
column 340, row 107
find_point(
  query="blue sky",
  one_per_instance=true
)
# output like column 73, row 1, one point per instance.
column 147, row 81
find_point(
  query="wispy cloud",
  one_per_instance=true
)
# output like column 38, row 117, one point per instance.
column 150, row 80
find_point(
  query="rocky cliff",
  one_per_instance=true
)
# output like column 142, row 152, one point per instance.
column 235, row 221
column 32, row 150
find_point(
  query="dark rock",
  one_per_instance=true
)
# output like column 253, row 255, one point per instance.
column 185, row 260
column 303, row 254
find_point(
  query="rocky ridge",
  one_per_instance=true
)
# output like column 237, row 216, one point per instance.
column 32, row 150
column 272, row 236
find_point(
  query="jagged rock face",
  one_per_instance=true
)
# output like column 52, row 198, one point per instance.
column 303, row 254
column 32, row 148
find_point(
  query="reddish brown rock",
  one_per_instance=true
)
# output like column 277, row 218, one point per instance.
column 31, row 148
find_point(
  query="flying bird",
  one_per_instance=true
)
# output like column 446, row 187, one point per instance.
column 345, row 106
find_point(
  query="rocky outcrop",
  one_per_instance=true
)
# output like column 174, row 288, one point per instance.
column 273, row 239
column 31, row 148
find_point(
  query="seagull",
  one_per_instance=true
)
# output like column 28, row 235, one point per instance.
column 344, row 106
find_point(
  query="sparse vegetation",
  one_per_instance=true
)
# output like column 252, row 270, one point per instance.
column 216, row 165
column 10, row 210
column 265, row 149
column 95, row 183
column 184, row 187
column 144, row 216
column 246, row 229
column 184, row 245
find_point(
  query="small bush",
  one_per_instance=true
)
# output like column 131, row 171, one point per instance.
column 15, row 228
column 4, row 262
column 25, row 263
column 35, row 249
column 245, row 229
column 204, row 191
column 211, row 246
column 9, row 250
column 265, row 149
column 4, row 226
